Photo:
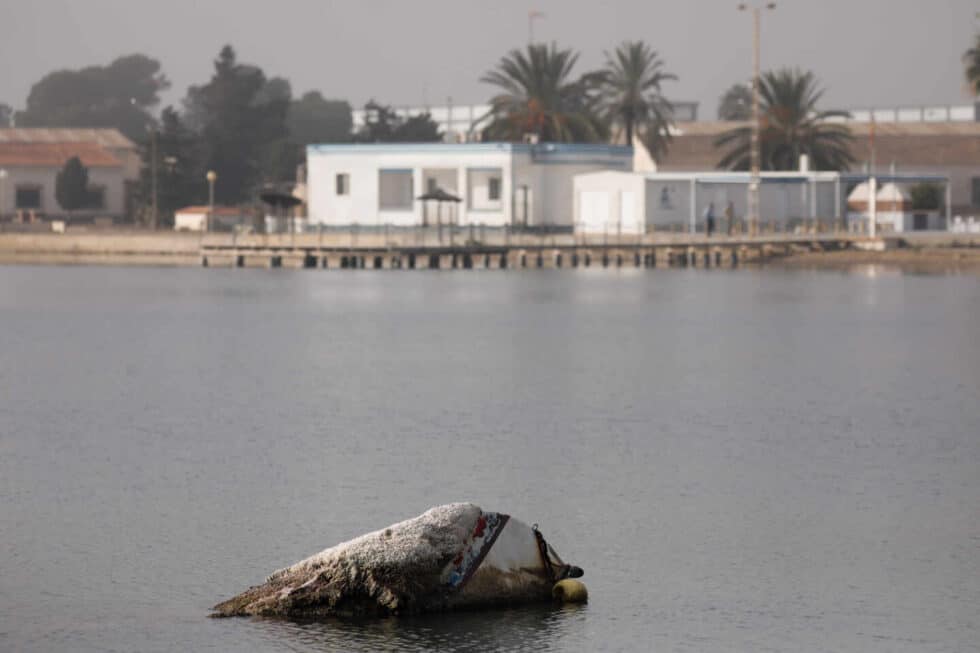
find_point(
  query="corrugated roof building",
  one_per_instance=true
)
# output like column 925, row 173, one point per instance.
column 924, row 148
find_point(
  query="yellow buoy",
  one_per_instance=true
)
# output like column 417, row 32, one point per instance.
column 570, row 590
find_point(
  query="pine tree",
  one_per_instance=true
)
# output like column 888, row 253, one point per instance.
column 71, row 186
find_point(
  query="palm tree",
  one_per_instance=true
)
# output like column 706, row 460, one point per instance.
column 538, row 96
column 630, row 94
column 971, row 58
column 790, row 125
column 736, row 103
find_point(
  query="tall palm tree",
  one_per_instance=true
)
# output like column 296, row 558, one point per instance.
column 539, row 96
column 631, row 98
column 790, row 125
column 971, row 59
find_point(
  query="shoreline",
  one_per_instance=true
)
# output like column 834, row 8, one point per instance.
column 916, row 259
column 936, row 253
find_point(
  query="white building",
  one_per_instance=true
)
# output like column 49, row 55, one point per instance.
column 222, row 218
column 893, row 210
column 634, row 203
column 499, row 184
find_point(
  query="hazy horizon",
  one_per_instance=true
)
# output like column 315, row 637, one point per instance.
column 872, row 53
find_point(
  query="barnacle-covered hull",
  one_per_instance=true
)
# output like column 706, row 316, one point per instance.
column 455, row 556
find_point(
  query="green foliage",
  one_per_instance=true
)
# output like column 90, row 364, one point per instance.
column 313, row 119
column 6, row 115
column 118, row 95
column 538, row 95
column 736, row 103
column 71, row 186
column 971, row 62
column 629, row 95
column 925, row 196
column 180, row 168
column 420, row 128
column 383, row 125
column 379, row 124
column 241, row 118
column 790, row 125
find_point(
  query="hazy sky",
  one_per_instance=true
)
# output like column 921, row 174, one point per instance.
column 866, row 52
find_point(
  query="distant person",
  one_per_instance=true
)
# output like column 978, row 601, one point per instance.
column 730, row 216
column 709, row 218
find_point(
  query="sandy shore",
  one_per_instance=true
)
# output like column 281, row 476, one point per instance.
column 922, row 259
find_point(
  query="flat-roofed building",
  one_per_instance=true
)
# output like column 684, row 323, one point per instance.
column 497, row 184
column 633, row 203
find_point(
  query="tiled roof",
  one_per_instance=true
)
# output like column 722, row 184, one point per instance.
column 908, row 144
column 54, row 155
column 105, row 137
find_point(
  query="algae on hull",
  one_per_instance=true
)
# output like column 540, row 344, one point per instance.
column 399, row 570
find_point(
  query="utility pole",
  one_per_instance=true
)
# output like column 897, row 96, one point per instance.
column 531, row 15
column 153, row 174
column 211, row 177
column 872, row 185
column 754, row 147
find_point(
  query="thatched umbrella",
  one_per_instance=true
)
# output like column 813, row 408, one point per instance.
column 439, row 196
column 280, row 201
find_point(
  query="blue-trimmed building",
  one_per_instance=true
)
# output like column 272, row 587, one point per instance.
column 498, row 184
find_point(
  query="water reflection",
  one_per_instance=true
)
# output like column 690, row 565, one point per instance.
column 539, row 628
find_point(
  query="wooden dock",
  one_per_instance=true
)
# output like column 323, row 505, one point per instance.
column 415, row 251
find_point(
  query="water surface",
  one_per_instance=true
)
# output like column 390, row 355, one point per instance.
column 740, row 460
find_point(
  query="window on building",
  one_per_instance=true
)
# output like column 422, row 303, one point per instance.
column 493, row 189
column 343, row 183
column 28, row 197
column 484, row 191
column 975, row 191
column 431, row 185
column 395, row 190
column 96, row 197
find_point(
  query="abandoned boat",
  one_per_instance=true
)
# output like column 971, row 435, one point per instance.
column 455, row 556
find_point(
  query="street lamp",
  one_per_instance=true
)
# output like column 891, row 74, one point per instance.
column 153, row 174
column 754, row 155
column 3, row 182
column 211, row 177
column 531, row 16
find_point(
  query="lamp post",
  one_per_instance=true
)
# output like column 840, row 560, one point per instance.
column 3, row 183
column 531, row 16
column 153, row 173
column 754, row 155
column 211, row 177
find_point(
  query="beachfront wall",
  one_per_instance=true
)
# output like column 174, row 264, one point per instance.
column 630, row 203
column 499, row 184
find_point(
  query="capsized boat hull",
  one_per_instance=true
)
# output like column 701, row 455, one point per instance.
column 451, row 557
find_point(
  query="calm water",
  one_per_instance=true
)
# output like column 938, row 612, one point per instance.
column 749, row 460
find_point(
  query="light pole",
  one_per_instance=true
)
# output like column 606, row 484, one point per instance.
column 531, row 15
column 3, row 183
column 754, row 155
column 153, row 173
column 211, row 177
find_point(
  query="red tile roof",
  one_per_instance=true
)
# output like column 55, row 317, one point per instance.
column 54, row 155
column 106, row 137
